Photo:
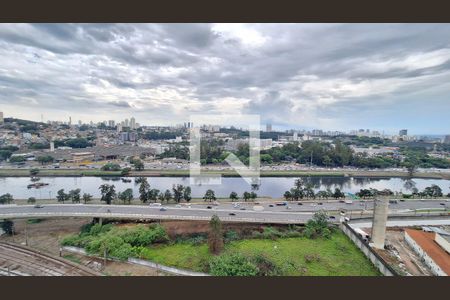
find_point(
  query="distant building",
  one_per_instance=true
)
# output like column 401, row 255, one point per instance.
column 133, row 123
column 132, row 136
column 268, row 127
column 447, row 139
column 119, row 127
column 82, row 156
column 295, row 136
column 317, row 132
column 111, row 123
column 1, row 118
column 123, row 137
column 403, row 132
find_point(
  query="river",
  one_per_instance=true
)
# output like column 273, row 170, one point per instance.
column 270, row 186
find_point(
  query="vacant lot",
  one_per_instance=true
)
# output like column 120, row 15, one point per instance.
column 337, row 256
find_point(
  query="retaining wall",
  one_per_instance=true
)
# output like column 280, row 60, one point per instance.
column 374, row 257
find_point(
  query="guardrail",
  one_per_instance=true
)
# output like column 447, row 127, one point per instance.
column 146, row 216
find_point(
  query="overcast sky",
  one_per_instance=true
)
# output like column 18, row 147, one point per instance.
column 327, row 76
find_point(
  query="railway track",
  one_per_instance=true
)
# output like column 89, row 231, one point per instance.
column 19, row 261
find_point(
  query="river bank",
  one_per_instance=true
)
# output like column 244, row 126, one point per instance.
column 224, row 173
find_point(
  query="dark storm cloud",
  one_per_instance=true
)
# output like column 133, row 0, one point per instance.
column 311, row 75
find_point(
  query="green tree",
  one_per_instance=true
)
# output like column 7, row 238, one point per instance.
column 5, row 154
column 108, row 193
column 215, row 235
column 178, row 192
column 326, row 160
column 46, row 159
column 234, row 196
column 338, row 194
column 153, row 194
column 61, row 196
column 74, row 195
column 161, row 197
column 111, row 167
column 16, row 159
column 187, row 194
column 6, row 198
column 126, row 196
column 253, row 196
column 138, row 165
column 125, row 171
column 167, row 196
column 31, row 200
column 8, row 227
column 87, row 198
column 144, row 188
column 287, row 195
column 318, row 226
column 209, row 196
column 246, row 196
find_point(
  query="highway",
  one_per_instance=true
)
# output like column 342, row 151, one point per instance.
column 147, row 212
column 296, row 214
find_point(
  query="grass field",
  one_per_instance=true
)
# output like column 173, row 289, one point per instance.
column 225, row 173
column 337, row 256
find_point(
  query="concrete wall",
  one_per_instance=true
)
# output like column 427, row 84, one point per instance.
column 435, row 269
column 442, row 242
column 382, row 266
column 141, row 262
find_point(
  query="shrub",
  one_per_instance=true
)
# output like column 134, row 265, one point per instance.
column 232, row 265
column 265, row 266
column 231, row 235
column 97, row 229
column 271, row 233
column 111, row 167
column 309, row 258
column 318, row 226
column 141, row 235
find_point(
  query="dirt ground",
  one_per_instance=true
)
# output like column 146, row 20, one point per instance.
column 400, row 255
column 46, row 236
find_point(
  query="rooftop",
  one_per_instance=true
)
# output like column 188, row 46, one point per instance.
column 426, row 241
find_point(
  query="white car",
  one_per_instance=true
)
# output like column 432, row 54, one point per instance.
column 155, row 204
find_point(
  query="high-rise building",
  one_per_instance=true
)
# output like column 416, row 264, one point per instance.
column 119, row 127
column 111, row 123
column 127, row 124
column 133, row 123
column 447, row 139
column 295, row 136
column 70, row 120
column 268, row 127
column 403, row 132
column 1, row 118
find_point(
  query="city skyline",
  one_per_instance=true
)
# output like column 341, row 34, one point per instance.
column 296, row 76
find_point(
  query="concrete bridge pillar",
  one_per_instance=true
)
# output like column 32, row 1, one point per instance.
column 380, row 213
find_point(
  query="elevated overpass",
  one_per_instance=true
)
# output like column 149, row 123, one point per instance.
column 150, row 213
